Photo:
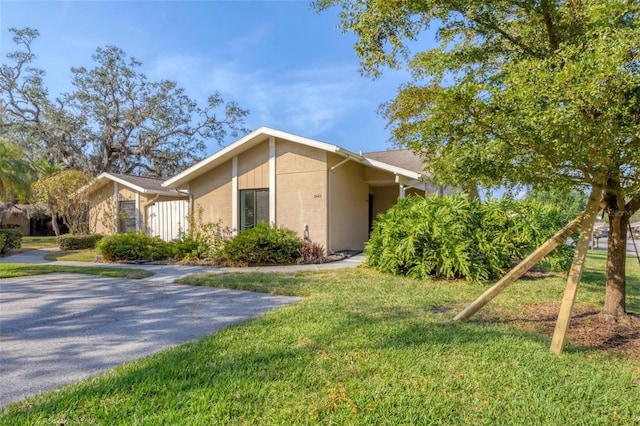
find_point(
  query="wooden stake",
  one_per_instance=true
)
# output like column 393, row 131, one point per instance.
column 575, row 273
column 520, row 269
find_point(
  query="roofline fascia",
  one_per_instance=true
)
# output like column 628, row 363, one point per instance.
column 108, row 176
column 266, row 131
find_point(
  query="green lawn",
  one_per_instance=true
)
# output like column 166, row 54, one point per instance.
column 10, row 270
column 72, row 255
column 364, row 348
column 38, row 242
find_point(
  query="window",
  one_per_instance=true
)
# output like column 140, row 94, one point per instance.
column 126, row 216
column 254, row 207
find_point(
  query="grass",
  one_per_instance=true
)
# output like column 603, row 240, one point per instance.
column 38, row 242
column 11, row 270
column 363, row 348
column 72, row 255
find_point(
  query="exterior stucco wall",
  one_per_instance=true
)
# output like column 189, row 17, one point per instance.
column 212, row 194
column 384, row 197
column 253, row 167
column 301, row 190
column 101, row 211
column 348, row 205
column 17, row 221
column 376, row 175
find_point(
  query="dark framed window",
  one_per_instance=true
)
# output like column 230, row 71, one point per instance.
column 126, row 216
column 254, row 207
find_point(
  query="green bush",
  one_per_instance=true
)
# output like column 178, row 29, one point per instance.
column 78, row 241
column 133, row 246
column 452, row 237
column 262, row 245
column 10, row 239
column 201, row 241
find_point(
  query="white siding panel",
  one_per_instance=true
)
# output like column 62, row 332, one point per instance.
column 167, row 218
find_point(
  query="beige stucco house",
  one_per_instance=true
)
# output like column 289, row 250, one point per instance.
column 120, row 203
column 326, row 193
column 29, row 219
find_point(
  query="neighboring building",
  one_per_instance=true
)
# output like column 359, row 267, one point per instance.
column 30, row 219
column 121, row 203
column 325, row 193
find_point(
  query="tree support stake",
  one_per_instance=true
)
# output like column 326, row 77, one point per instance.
column 575, row 273
column 519, row 270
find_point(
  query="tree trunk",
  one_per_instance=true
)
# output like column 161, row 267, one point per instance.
column 54, row 224
column 614, row 300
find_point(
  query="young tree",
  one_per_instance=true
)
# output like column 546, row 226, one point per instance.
column 540, row 92
column 59, row 191
column 15, row 173
column 114, row 120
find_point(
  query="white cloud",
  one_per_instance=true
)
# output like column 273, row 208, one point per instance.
column 304, row 101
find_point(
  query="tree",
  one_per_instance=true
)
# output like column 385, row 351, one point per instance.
column 114, row 120
column 59, row 191
column 15, row 173
column 543, row 93
column 572, row 202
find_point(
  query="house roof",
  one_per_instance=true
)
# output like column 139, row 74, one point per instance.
column 143, row 185
column 32, row 210
column 402, row 158
column 263, row 133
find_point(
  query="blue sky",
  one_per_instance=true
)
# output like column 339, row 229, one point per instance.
column 291, row 67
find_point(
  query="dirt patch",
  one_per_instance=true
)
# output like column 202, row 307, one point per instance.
column 588, row 329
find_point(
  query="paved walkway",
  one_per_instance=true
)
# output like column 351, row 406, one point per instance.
column 169, row 273
column 58, row 328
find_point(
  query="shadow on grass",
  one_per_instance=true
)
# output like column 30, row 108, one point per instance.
column 235, row 377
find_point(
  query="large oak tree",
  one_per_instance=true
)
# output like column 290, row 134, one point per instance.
column 113, row 120
column 538, row 92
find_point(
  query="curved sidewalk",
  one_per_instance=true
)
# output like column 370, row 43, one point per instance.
column 175, row 271
column 62, row 327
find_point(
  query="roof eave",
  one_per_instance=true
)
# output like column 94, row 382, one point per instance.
column 192, row 172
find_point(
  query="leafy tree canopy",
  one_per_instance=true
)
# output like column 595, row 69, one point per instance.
column 60, row 192
column 114, row 120
column 540, row 92
column 544, row 93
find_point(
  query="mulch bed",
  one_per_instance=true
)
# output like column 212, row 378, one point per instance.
column 588, row 328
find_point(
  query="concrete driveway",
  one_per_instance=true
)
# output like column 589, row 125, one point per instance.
column 59, row 328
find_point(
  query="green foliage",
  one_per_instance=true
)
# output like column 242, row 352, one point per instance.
column 572, row 202
column 60, row 192
column 540, row 93
column 133, row 246
column 166, row 130
column 9, row 239
column 452, row 237
column 364, row 348
column 15, row 172
column 262, row 245
column 311, row 253
column 78, row 241
column 202, row 240
column 11, row 270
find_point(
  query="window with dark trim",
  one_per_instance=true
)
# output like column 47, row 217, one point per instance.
column 254, row 207
column 126, row 216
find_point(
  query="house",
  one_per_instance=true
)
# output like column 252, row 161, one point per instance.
column 30, row 219
column 326, row 193
column 121, row 203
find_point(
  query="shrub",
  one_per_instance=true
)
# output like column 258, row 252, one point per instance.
column 10, row 239
column 133, row 246
column 78, row 241
column 261, row 245
column 201, row 241
column 311, row 253
column 452, row 237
